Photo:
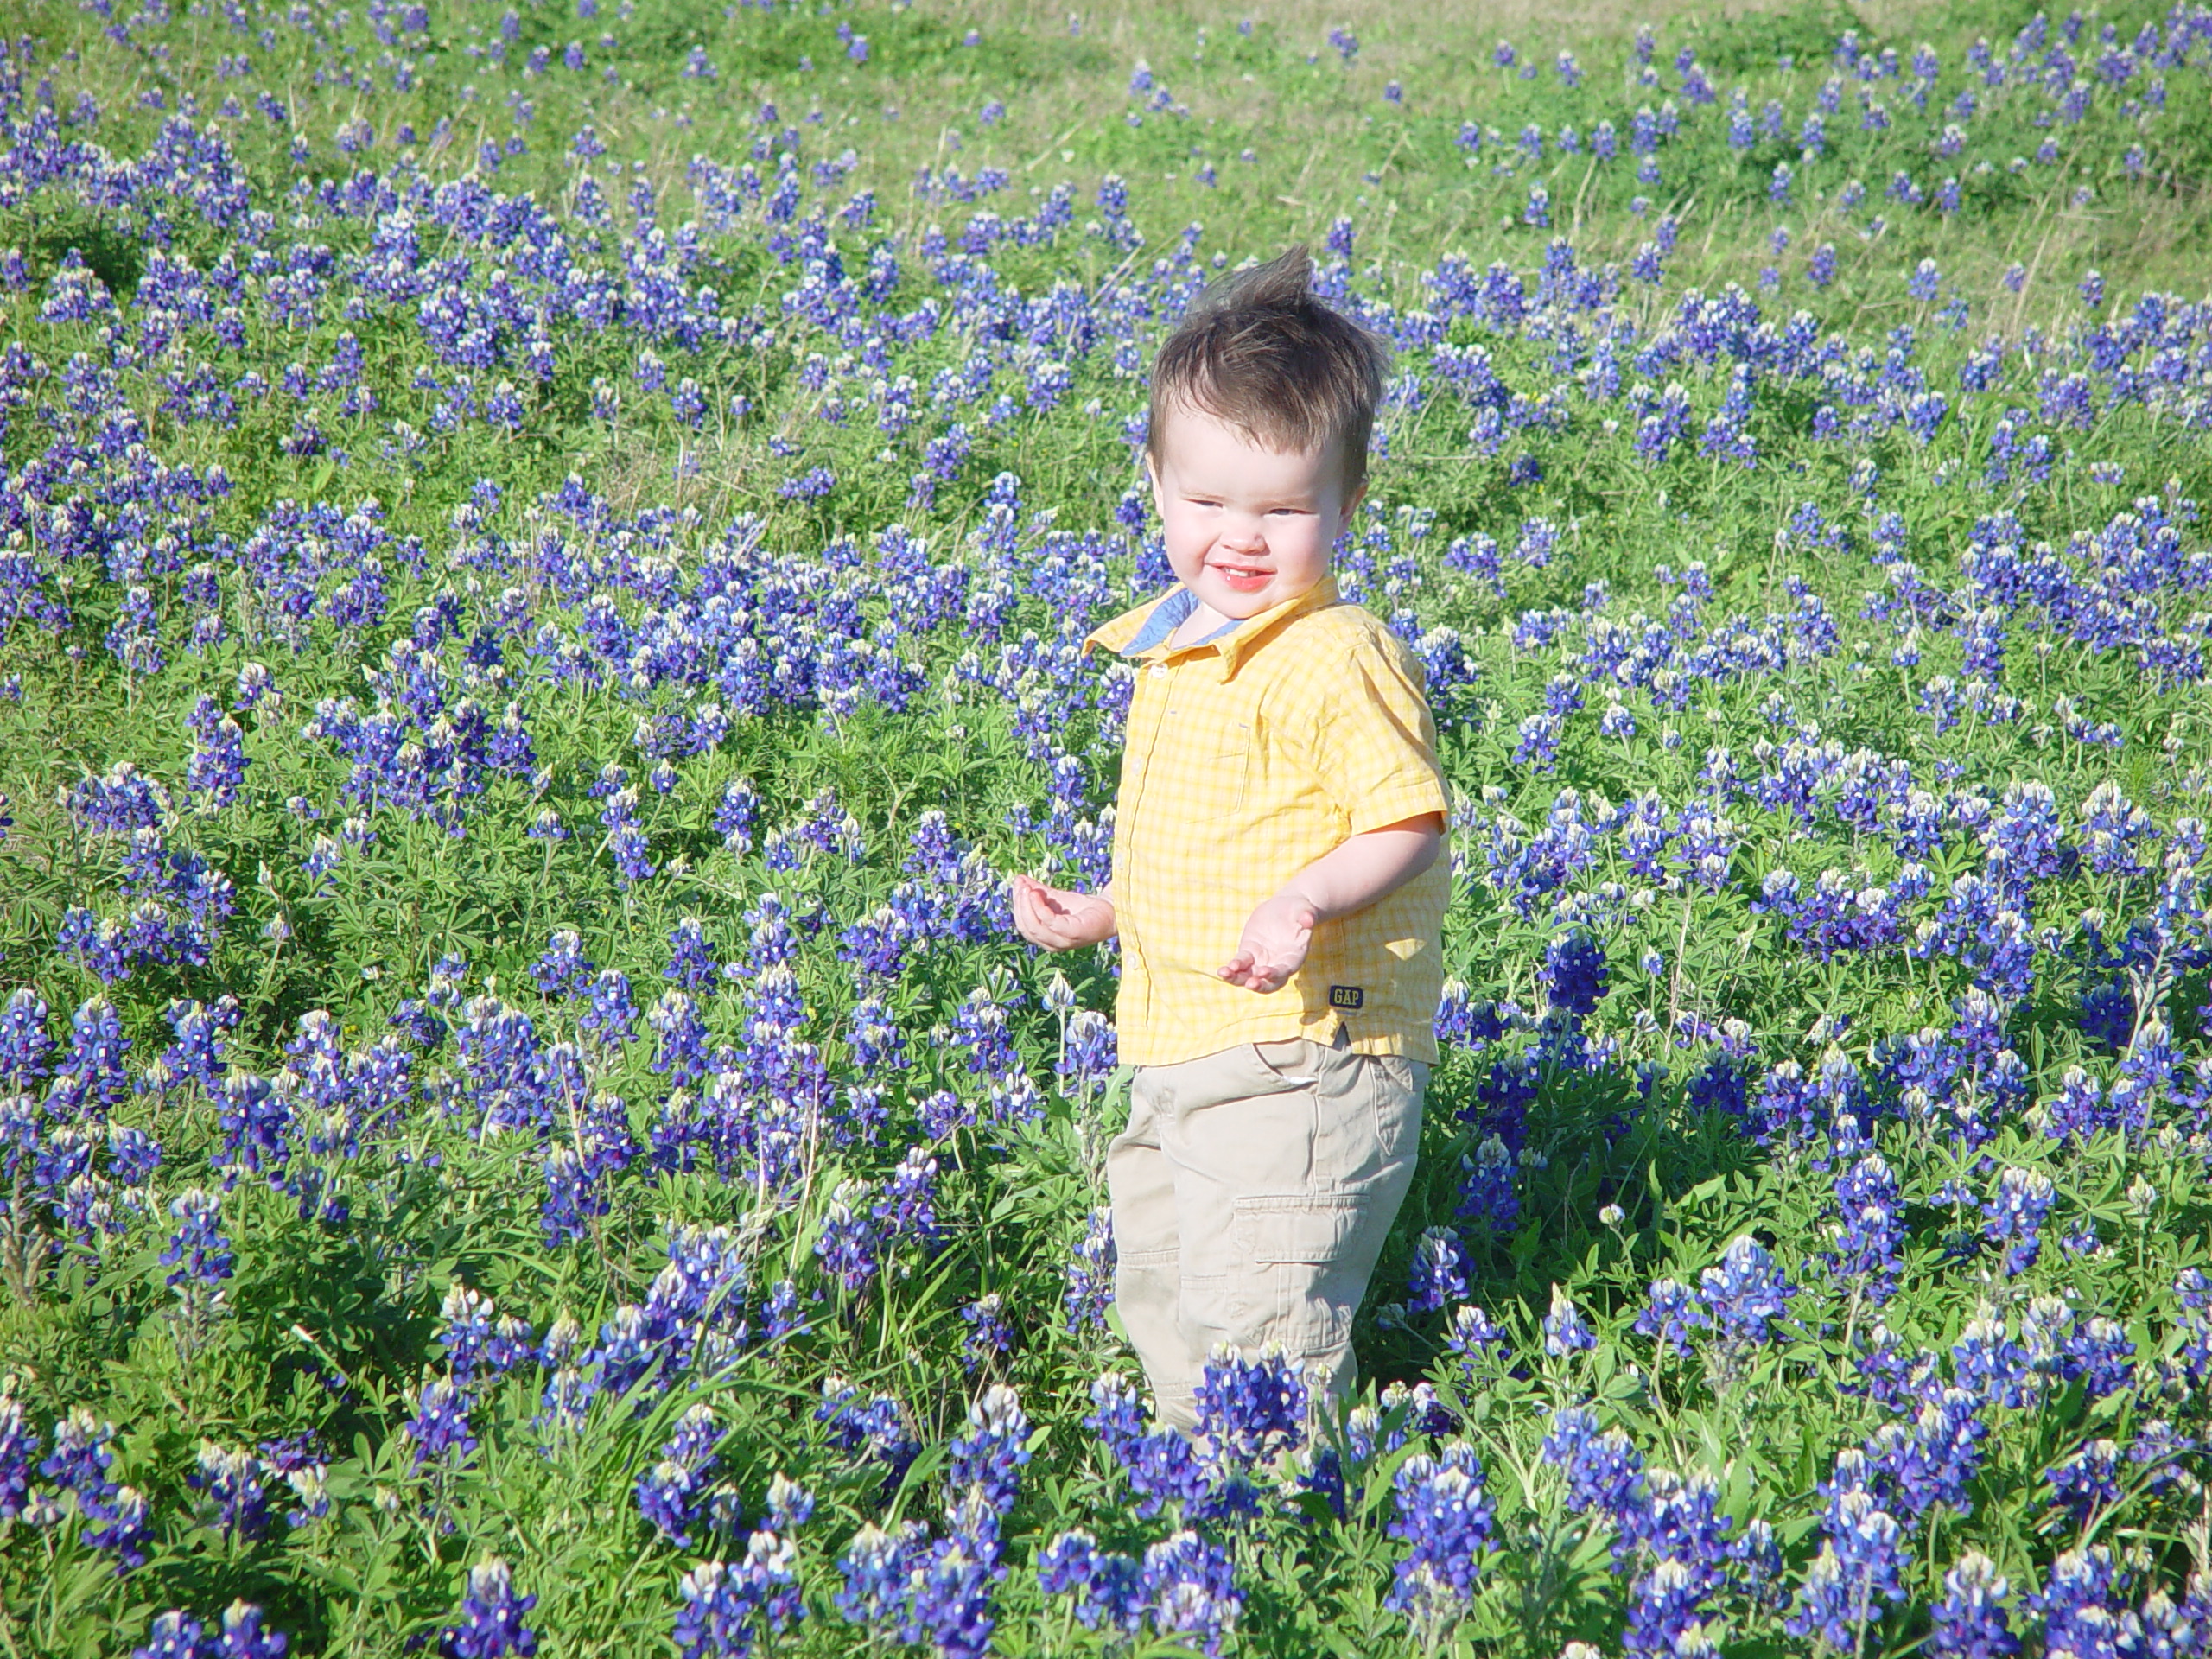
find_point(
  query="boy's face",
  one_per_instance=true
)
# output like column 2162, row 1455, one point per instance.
column 1248, row 528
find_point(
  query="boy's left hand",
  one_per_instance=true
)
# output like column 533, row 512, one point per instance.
column 1274, row 944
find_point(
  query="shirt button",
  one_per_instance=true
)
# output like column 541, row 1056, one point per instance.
column 1160, row 671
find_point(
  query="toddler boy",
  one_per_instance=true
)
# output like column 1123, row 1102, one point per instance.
column 1275, row 880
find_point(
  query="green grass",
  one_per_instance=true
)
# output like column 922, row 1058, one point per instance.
column 331, row 1325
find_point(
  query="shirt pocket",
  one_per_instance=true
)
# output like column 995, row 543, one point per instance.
column 1225, row 749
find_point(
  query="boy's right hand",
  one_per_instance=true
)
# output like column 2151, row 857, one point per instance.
column 1058, row 919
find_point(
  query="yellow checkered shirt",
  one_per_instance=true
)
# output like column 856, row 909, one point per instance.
column 1247, row 757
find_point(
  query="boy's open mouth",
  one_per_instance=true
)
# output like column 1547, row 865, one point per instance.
column 1244, row 578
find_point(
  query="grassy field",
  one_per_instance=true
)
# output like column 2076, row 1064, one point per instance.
column 541, row 564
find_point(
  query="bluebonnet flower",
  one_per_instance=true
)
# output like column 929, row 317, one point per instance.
column 2098, row 1353
column 1936, row 1458
column 176, row 1635
column 114, row 1517
column 1868, row 1235
column 1106, row 1587
column 1747, row 1293
column 1471, row 1332
column 1857, row 1569
column 681, row 1052
column 90, row 1081
column 669, row 1493
column 232, row 1482
column 2014, row 1216
column 850, row 1243
column 873, row 1567
column 2080, row 1108
column 612, row 1017
column 790, row 1506
column 691, row 963
column 727, row 1607
column 1604, row 1472
column 939, row 1590
column 1189, row 1586
column 1444, row 1514
column 477, row 1342
column 1670, row 1314
column 1090, row 1053
column 573, row 1196
column 988, row 1459
column 1160, row 1464
column 24, row 1043
column 2086, row 1482
column 876, row 1425
column 1566, row 1331
column 2157, row 1446
column 564, row 969
column 1575, row 974
column 218, row 759
column 118, row 801
column 1251, row 1410
column 1185, row 1586
column 1662, row 1609
column 1969, row 1621
column 17, row 1441
column 1986, row 1361
column 1438, row 1275
column 197, row 1250
column 907, row 1209
column 989, row 1336
column 440, row 1427
column 877, row 1041
column 300, row 1460
column 491, row 1622
column 2075, row 1603
column 1488, row 1202
column 1091, row 1273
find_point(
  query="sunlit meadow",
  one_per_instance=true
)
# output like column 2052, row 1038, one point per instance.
column 543, row 557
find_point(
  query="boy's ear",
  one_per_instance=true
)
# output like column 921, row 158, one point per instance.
column 1351, row 507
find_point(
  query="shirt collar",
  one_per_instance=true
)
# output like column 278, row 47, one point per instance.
column 1169, row 615
column 1121, row 634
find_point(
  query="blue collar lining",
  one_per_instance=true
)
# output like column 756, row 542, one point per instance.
column 1168, row 616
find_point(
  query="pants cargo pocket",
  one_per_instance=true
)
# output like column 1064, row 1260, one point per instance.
column 1293, row 1289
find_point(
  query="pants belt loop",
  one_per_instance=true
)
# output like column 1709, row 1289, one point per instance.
column 1344, row 1036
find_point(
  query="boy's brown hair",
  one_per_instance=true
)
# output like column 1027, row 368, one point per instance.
column 1259, row 350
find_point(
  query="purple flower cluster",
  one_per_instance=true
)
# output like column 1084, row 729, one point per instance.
column 938, row 1590
column 239, row 1635
column 1251, row 1412
column 1444, row 1514
column 490, row 1624
column 728, row 1606
column 671, row 1494
column 1185, row 1587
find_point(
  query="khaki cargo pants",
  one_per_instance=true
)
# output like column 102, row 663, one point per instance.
column 1252, row 1191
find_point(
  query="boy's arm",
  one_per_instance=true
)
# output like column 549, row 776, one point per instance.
column 1348, row 877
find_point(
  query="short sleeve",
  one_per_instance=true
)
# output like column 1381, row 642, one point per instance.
column 1374, row 742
